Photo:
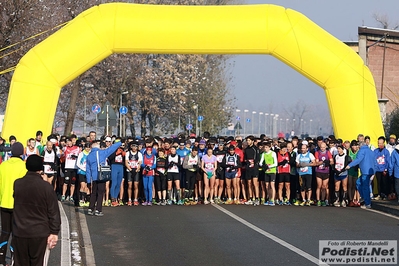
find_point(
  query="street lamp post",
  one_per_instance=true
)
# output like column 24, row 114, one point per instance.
column 252, row 122
column 196, row 120
column 245, row 121
column 120, row 115
column 280, row 125
column 266, row 118
column 310, row 127
column 237, row 122
column 293, row 127
column 286, row 126
column 271, row 125
column 260, row 113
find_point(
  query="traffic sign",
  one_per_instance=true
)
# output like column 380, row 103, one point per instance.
column 248, row 120
column 189, row 126
column 96, row 108
column 237, row 118
column 200, row 118
column 123, row 110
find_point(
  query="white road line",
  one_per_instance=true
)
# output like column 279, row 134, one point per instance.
column 65, row 240
column 383, row 213
column 86, row 240
column 270, row 236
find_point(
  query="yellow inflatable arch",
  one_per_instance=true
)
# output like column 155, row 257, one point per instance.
column 246, row 29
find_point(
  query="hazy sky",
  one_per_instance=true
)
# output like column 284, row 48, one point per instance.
column 261, row 80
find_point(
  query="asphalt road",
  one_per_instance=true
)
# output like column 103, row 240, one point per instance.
column 206, row 235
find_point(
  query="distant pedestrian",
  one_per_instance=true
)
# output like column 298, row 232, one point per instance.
column 98, row 186
column 37, row 221
column 10, row 170
column 366, row 160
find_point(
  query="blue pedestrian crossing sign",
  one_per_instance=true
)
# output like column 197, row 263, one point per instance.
column 123, row 110
column 248, row 120
column 189, row 126
column 237, row 118
column 200, row 118
column 96, row 108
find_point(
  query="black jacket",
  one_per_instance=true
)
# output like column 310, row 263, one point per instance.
column 36, row 212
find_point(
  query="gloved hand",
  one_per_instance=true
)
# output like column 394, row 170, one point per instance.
column 147, row 168
column 284, row 162
column 171, row 164
column 230, row 169
column 74, row 157
column 195, row 166
column 265, row 167
column 326, row 162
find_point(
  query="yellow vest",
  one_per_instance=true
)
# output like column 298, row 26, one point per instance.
column 10, row 170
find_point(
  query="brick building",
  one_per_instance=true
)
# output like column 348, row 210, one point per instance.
column 379, row 49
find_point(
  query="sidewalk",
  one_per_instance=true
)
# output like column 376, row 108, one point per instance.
column 388, row 206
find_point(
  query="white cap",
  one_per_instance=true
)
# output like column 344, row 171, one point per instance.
column 305, row 142
column 108, row 139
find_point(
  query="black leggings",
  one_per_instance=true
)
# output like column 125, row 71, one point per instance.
column 97, row 193
column 382, row 183
column 160, row 182
column 190, row 180
column 6, row 229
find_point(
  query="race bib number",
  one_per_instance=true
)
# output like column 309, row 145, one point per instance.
column 118, row 159
column 381, row 160
column 48, row 169
column 134, row 164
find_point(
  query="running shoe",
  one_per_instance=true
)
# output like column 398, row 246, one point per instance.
column 287, row 203
column 136, row 203
column 169, row 202
column 154, row 201
column 266, row 203
column 262, row 201
column 243, row 201
column 144, row 203
column 81, row 203
column 318, row 203
column 326, row 202
column 129, row 203
column 120, row 202
column 163, row 202
column 308, row 203
column 351, row 204
column 302, row 203
column 114, row 204
column 280, row 202
column 343, row 203
column 187, row 202
column 229, row 202
column 212, row 201
column 271, row 203
column 90, row 212
column 193, row 202
column 149, row 203
column 336, row 203
column 365, row 206
column 99, row 214
column 311, row 202
column 67, row 198
column 256, row 202
column 109, row 203
column 249, row 202
column 206, row 202
column 86, row 204
column 296, row 203
column 378, row 197
column 62, row 198
column 323, row 204
column 180, row 202
column 71, row 200
column 237, row 202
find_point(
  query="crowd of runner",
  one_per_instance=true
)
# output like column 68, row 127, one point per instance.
column 190, row 170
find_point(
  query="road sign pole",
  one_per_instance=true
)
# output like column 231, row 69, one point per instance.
column 96, row 122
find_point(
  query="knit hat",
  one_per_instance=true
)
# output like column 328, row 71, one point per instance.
column 17, row 149
column 34, row 163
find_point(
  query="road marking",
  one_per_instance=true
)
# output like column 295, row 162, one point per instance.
column 383, row 213
column 65, row 241
column 86, row 239
column 270, row 236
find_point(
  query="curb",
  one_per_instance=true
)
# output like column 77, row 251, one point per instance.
column 384, row 208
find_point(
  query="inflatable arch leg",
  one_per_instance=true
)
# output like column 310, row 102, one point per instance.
column 246, row 29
